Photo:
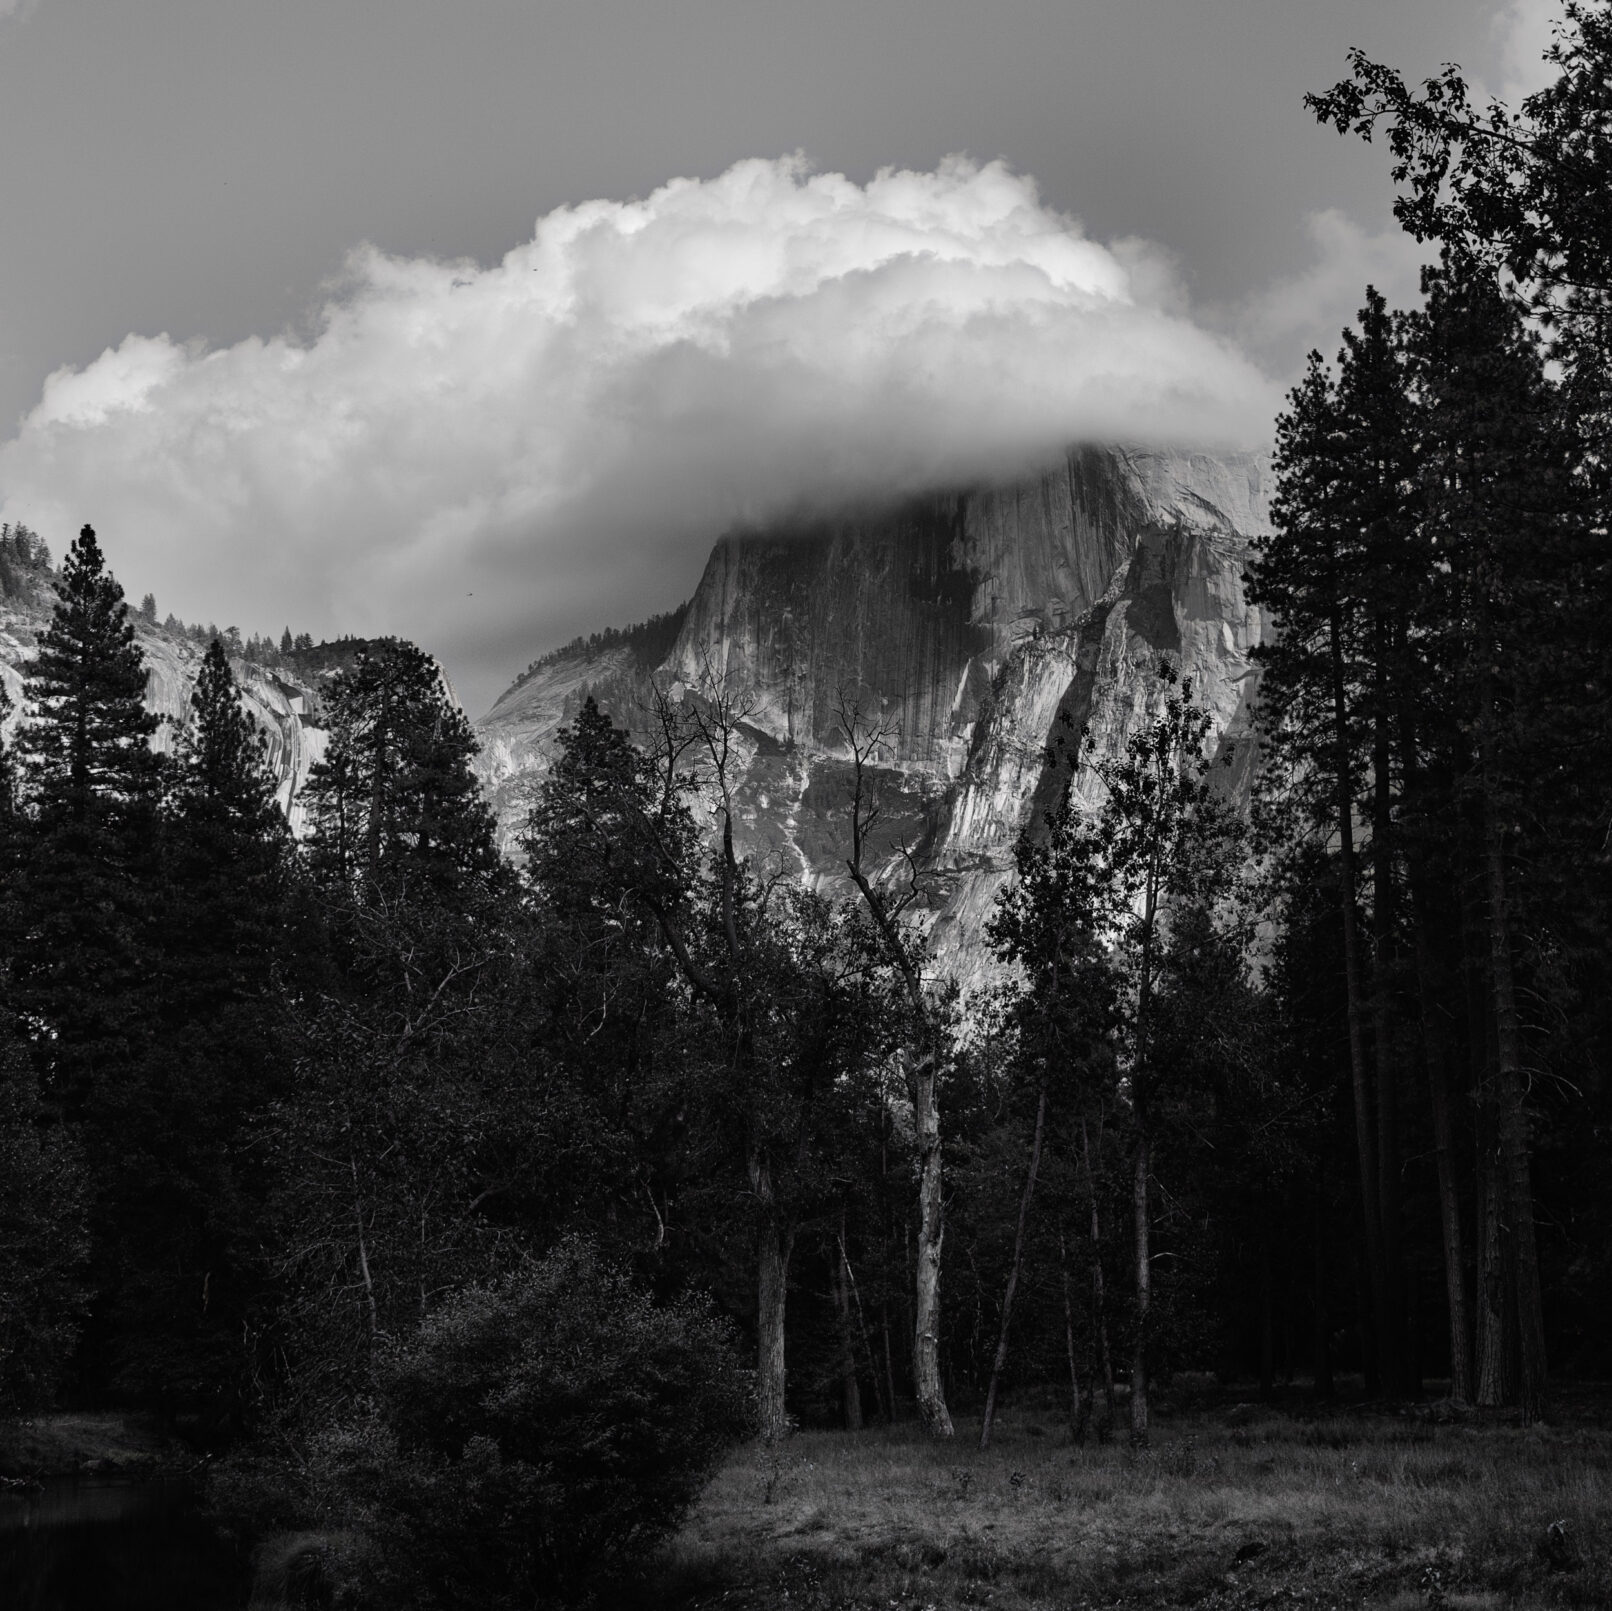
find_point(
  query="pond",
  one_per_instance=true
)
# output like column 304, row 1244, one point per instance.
column 77, row 1545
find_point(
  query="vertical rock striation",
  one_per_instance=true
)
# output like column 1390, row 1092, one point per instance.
column 965, row 624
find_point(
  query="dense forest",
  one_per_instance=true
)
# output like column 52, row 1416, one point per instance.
column 475, row 1206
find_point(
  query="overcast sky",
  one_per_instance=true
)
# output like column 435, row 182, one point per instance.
column 476, row 320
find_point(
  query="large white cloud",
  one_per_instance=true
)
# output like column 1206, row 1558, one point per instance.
column 1280, row 322
column 485, row 457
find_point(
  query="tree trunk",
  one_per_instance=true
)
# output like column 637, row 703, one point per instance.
column 889, row 1363
column 772, row 1291
column 1496, row 1367
column 1141, row 1209
column 1321, row 1299
column 1365, row 1121
column 1391, row 1330
column 1512, row 1125
column 1079, row 1408
column 1449, row 1213
column 773, row 1247
column 931, row 1396
column 1436, row 1051
column 850, row 1390
column 1267, row 1313
column 1013, row 1272
column 1099, row 1296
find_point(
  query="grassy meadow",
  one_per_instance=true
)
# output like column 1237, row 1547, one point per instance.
column 1234, row 1505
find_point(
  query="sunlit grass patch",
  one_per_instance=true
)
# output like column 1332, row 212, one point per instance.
column 1347, row 1511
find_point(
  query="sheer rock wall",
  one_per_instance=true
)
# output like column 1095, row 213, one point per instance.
column 966, row 625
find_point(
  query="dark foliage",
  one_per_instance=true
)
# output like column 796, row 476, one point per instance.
column 531, row 1443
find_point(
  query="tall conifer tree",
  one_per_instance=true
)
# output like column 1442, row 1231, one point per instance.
column 91, row 783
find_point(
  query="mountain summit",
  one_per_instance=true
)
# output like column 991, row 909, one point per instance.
column 966, row 625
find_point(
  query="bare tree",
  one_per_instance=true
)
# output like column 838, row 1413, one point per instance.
column 923, row 1057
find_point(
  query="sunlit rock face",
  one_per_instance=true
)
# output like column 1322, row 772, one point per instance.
column 284, row 703
column 963, row 625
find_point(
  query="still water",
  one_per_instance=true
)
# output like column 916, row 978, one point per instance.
column 113, row 1546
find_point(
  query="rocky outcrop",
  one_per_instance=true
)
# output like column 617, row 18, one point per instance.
column 964, row 625
column 284, row 701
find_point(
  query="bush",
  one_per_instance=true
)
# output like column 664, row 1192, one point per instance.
column 536, row 1439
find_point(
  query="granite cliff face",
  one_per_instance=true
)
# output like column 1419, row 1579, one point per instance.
column 963, row 624
column 284, row 703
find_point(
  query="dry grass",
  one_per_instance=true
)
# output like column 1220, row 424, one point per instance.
column 1354, row 1511
column 96, row 1442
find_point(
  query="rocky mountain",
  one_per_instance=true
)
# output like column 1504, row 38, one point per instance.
column 284, row 699
column 962, row 624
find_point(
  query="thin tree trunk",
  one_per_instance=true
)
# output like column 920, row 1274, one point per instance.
column 885, row 1410
column 889, row 1364
column 1496, row 1361
column 1365, row 1118
column 1323, row 1316
column 371, row 1315
column 773, row 1247
column 931, row 1396
column 1098, row 1291
column 1436, row 1051
column 1449, row 1214
column 889, row 1242
column 1142, row 1216
column 772, row 1289
column 850, row 1390
column 1512, row 1124
column 1391, row 1333
column 1079, row 1408
column 1013, row 1272
column 1267, row 1314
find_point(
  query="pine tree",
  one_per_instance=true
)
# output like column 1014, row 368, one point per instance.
column 1166, row 843
column 1504, row 510
column 1336, row 573
column 83, row 972
column 8, row 769
column 84, row 746
column 90, row 782
column 394, row 805
column 184, row 1278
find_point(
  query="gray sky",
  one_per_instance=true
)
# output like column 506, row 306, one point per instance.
column 432, row 439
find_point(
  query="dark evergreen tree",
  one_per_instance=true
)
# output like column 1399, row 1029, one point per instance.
column 91, row 786
column 394, row 805
column 1339, row 699
column 87, row 892
column 1505, row 515
column 187, row 1212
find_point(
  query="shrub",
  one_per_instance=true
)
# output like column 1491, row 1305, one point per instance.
column 538, row 1438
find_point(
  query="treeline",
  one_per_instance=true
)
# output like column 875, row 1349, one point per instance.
column 650, row 641
column 262, row 650
column 24, row 554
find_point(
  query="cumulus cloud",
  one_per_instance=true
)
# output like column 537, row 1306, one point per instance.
column 486, row 457
column 1283, row 321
